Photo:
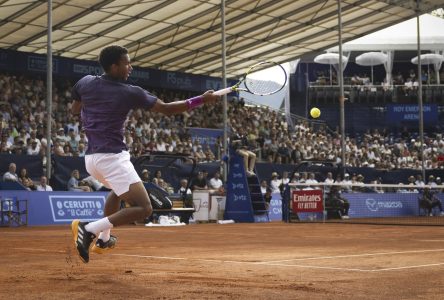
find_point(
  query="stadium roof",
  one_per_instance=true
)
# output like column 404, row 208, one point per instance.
column 402, row 36
column 185, row 35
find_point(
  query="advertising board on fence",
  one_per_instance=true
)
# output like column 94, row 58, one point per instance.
column 307, row 201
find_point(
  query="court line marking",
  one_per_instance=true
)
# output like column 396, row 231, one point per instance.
column 283, row 265
column 351, row 255
column 275, row 263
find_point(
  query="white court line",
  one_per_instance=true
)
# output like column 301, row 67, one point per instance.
column 276, row 263
column 351, row 255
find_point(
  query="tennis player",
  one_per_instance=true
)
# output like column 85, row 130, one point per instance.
column 104, row 102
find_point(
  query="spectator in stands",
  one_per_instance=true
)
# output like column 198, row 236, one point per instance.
column 264, row 186
column 11, row 175
column 26, row 181
column 157, row 176
column 33, row 148
column 429, row 201
column 267, row 198
column 419, row 180
column 94, row 184
column 275, row 182
column 335, row 201
column 72, row 141
column 216, row 183
column 199, row 182
column 73, row 183
column 145, row 176
column 328, row 180
column 185, row 194
column 44, row 186
column 431, row 181
column 347, row 188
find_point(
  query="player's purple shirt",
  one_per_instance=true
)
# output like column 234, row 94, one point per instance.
column 105, row 105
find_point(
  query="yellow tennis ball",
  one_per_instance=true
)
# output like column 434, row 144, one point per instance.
column 315, row 112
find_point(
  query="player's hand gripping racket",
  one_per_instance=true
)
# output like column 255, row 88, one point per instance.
column 256, row 84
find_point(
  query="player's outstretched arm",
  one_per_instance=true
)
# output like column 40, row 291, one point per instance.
column 178, row 107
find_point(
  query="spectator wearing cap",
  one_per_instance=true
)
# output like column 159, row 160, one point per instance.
column 145, row 176
column 431, row 181
column 275, row 182
column 61, row 137
column 347, row 183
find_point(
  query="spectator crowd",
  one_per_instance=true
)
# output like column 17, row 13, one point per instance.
column 268, row 135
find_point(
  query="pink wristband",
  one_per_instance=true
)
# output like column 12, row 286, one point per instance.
column 194, row 102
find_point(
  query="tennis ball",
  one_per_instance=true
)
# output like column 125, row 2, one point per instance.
column 315, row 112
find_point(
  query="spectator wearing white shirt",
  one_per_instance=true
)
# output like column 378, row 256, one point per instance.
column 215, row 182
column 328, row 180
column 275, row 183
column 264, row 186
column 33, row 148
column 44, row 186
column 11, row 175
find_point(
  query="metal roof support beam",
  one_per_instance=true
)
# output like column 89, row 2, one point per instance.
column 289, row 30
column 198, row 34
column 232, row 37
column 63, row 23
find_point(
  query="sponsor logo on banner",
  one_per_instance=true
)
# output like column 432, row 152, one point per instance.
column 177, row 80
column 38, row 63
column 240, row 198
column 307, row 201
column 67, row 208
column 238, row 186
column 87, row 69
column 374, row 205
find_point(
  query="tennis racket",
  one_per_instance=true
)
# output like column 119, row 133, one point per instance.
column 254, row 81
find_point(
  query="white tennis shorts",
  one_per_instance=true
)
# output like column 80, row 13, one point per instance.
column 113, row 170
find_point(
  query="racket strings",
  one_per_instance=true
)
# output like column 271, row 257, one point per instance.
column 274, row 80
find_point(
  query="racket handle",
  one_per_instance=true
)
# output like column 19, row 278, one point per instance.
column 223, row 91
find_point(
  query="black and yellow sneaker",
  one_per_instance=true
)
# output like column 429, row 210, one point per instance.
column 82, row 239
column 101, row 247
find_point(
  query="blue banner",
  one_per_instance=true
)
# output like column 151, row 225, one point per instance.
column 205, row 136
column 382, row 205
column 16, row 61
column 55, row 208
column 398, row 113
column 275, row 209
column 238, row 206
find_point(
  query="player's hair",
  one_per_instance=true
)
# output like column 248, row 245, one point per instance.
column 111, row 55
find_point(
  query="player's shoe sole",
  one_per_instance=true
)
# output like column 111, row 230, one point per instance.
column 101, row 247
column 82, row 239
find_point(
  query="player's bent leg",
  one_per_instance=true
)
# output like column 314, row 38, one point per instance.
column 137, row 197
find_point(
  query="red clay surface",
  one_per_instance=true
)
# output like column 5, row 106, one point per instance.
column 234, row 261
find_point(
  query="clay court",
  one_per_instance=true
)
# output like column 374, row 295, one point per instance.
column 233, row 261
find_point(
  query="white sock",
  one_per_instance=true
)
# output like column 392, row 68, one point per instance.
column 100, row 225
column 105, row 235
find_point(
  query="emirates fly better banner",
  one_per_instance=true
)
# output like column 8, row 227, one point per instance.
column 307, row 201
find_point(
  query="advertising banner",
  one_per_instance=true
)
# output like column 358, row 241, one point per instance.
column 398, row 113
column 307, row 201
column 382, row 205
column 275, row 209
column 56, row 208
